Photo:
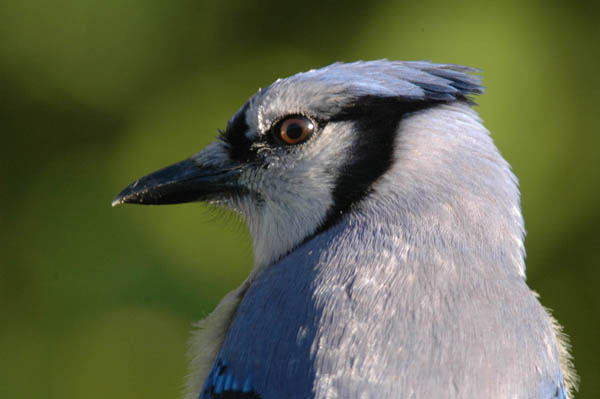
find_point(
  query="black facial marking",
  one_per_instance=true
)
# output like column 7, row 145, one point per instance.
column 377, row 120
column 240, row 147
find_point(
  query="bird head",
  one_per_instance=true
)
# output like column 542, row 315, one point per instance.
column 307, row 150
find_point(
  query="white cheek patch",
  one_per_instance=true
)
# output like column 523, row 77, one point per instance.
column 296, row 192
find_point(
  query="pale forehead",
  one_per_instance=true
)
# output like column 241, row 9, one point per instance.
column 322, row 93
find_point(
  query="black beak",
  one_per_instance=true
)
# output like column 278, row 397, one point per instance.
column 185, row 181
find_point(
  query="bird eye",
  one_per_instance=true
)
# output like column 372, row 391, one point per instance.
column 295, row 129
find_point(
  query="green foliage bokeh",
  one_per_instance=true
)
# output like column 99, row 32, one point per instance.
column 98, row 302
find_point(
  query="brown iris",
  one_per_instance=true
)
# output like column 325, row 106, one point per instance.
column 296, row 129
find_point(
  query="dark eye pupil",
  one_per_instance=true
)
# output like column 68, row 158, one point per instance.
column 294, row 131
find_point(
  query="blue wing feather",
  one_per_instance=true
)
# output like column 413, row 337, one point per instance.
column 221, row 383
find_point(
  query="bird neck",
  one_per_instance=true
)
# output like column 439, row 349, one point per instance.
column 449, row 196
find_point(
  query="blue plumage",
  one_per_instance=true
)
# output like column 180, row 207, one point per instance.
column 221, row 383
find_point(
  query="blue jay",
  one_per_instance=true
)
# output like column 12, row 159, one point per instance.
column 388, row 244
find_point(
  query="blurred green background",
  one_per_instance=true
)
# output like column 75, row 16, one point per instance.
column 97, row 302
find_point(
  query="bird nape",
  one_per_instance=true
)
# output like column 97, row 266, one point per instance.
column 388, row 245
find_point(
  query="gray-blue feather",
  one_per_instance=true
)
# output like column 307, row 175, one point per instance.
column 328, row 90
column 315, row 326
column 408, row 80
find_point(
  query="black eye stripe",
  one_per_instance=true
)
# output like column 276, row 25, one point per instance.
column 376, row 120
column 242, row 149
column 240, row 146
